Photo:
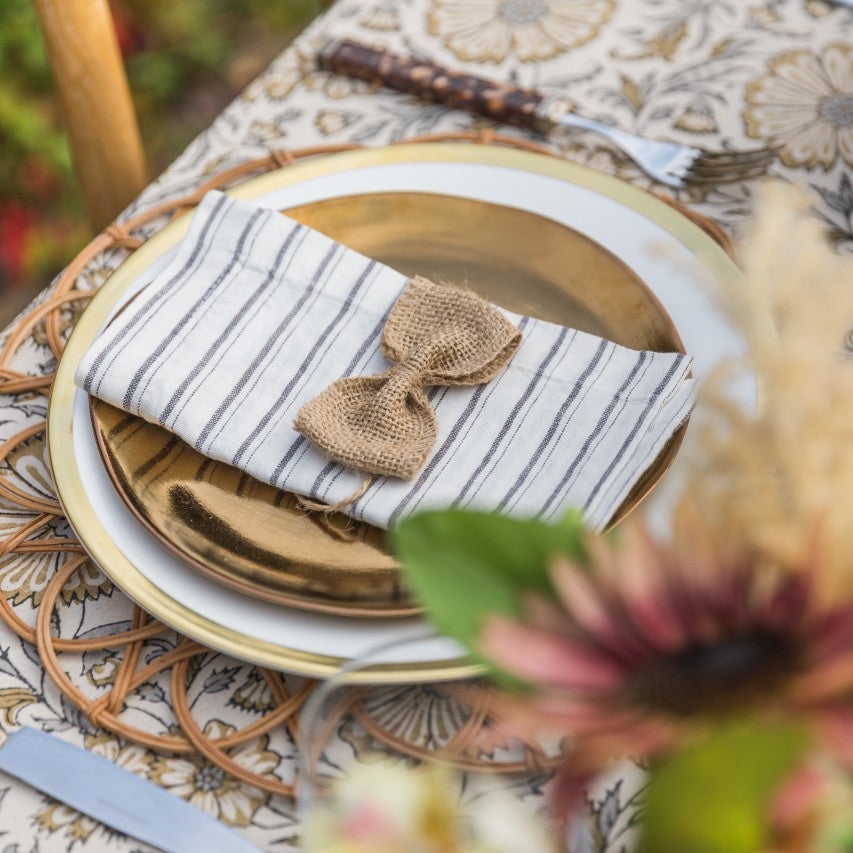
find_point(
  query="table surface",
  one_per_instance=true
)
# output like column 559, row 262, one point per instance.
column 711, row 72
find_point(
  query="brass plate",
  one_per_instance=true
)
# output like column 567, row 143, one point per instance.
column 253, row 537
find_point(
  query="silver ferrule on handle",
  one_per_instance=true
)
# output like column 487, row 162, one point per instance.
column 556, row 113
column 550, row 113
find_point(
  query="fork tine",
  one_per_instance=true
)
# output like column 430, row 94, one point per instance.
column 723, row 158
column 701, row 170
column 728, row 177
column 714, row 169
column 728, row 167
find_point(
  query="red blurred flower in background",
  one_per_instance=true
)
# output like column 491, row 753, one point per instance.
column 16, row 223
column 185, row 60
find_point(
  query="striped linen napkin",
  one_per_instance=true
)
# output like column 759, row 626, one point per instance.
column 258, row 314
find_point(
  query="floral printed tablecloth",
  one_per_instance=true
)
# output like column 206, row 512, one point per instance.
column 710, row 72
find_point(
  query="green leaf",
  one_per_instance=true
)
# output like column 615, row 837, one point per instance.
column 464, row 566
column 713, row 797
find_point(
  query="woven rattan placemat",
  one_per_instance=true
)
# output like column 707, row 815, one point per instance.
column 38, row 532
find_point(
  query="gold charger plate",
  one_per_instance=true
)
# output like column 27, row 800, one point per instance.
column 254, row 538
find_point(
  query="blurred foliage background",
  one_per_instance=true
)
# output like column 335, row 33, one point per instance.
column 185, row 59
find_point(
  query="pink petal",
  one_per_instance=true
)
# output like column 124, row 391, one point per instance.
column 602, row 555
column 589, row 609
column 645, row 585
column 789, row 605
column 577, row 773
column 567, row 795
column 834, row 634
column 835, row 728
column 545, row 614
column 799, row 795
column 642, row 740
column 655, row 618
column 641, row 556
column 545, row 658
column 581, row 720
column 825, row 682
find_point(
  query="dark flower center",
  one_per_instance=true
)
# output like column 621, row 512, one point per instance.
column 522, row 11
column 837, row 109
column 209, row 778
column 716, row 677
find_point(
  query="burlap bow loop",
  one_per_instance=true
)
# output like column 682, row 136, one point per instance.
column 434, row 335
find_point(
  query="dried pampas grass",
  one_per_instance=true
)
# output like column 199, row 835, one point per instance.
column 780, row 480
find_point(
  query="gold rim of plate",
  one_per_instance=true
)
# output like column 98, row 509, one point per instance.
column 70, row 489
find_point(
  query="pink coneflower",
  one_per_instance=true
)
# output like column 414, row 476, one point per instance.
column 648, row 644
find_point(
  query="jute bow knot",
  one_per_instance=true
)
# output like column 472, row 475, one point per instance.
column 434, row 335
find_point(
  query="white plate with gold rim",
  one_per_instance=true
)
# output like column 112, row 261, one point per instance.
column 659, row 244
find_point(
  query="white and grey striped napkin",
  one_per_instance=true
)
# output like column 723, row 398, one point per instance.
column 257, row 314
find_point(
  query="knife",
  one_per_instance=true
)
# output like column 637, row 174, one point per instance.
column 502, row 102
column 114, row 796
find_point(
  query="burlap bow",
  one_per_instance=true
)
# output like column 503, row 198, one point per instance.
column 434, row 335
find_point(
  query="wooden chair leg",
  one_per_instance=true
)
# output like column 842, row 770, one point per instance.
column 102, row 127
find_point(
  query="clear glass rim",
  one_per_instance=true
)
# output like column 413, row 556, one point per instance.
column 311, row 717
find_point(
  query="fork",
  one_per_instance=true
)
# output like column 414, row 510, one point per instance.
column 669, row 163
